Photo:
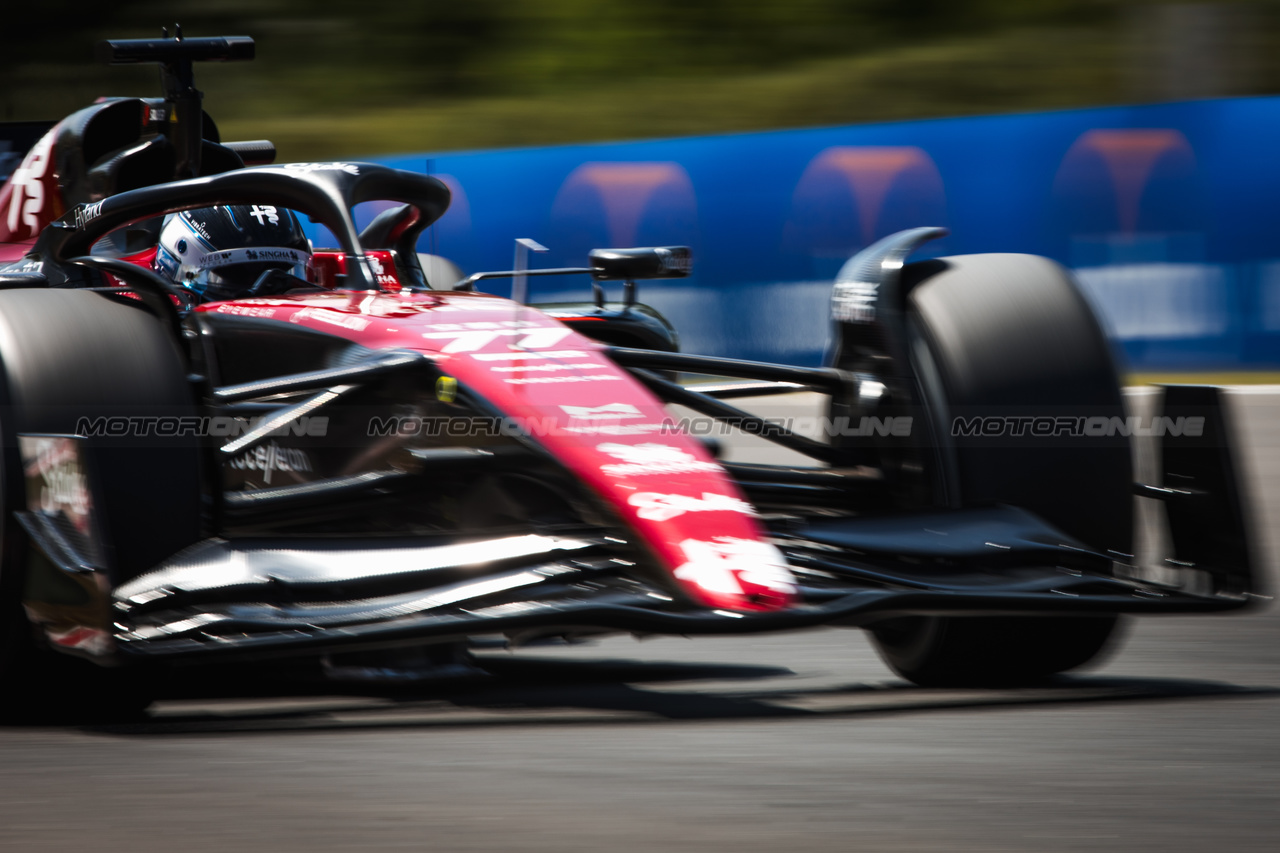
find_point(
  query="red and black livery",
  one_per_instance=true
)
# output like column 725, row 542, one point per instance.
column 377, row 459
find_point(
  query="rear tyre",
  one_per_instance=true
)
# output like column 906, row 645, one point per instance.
column 67, row 355
column 1011, row 336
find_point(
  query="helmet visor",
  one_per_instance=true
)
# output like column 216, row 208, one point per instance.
column 232, row 273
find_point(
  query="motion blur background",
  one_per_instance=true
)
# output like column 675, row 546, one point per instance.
column 1167, row 212
column 337, row 78
column 1132, row 141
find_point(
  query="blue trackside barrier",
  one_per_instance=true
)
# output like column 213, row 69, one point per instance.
column 1167, row 213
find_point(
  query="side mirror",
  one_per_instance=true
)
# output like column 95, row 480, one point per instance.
column 634, row 264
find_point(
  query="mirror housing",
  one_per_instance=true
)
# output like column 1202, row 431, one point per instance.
column 635, row 264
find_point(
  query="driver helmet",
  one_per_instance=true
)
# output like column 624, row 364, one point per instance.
column 221, row 252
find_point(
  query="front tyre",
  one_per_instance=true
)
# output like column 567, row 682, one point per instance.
column 990, row 651
column 1011, row 336
column 68, row 355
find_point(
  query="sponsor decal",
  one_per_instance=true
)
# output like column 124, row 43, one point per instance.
column 333, row 318
column 553, row 380
column 378, row 272
column 659, row 507
column 854, row 301
column 278, row 254
column 57, row 486
column 290, row 255
column 475, row 339
column 246, row 310
column 306, row 168
column 490, row 324
column 62, row 486
column 623, row 429
column 196, row 226
column 533, row 356
column 675, row 263
column 86, row 213
column 647, row 453
column 721, row 565
column 265, row 213
column 167, row 262
column 480, row 303
column 272, row 457
column 543, row 368
column 27, row 181
column 608, row 410
column 651, row 458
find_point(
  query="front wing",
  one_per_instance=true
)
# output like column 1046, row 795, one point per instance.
column 300, row 596
column 263, row 598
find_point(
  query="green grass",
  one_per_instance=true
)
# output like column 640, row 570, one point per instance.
column 1011, row 71
column 1219, row 377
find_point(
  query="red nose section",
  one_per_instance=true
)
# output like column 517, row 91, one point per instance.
column 590, row 414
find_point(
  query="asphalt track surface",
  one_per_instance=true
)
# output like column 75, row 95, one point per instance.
column 789, row 742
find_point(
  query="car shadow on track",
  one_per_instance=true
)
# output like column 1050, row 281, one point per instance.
column 529, row 691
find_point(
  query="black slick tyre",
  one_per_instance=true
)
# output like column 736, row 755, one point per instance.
column 65, row 356
column 1011, row 337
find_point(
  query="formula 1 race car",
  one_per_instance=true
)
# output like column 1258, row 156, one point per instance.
column 378, row 457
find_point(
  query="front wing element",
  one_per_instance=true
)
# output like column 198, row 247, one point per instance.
column 273, row 598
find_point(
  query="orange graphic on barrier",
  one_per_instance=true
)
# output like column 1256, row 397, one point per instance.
column 459, row 218
column 625, row 190
column 1130, row 156
column 869, row 173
